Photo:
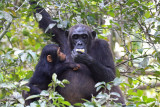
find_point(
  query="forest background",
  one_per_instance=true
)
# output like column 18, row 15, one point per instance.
column 132, row 28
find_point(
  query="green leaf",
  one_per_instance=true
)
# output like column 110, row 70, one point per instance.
column 7, row 85
column 32, row 96
column 2, row 93
column 118, row 73
column 43, row 104
column 117, row 81
column 1, row 15
column 38, row 45
column 144, row 98
column 33, row 54
column 17, row 96
column 109, row 86
column 54, row 77
column 61, row 84
column 130, row 81
column 34, row 104
column 140, row 51
column 11, row 11
column 119, row 60
column 17, row 51
column 59, row 25
column 111, row 13
column 50, row 26
column 100, row 83
column 65, row 81
column 66, row 103
column 149, row 20
column 144, row 63
column 98, row 88
column 26, row 32
column 44, row 93
column 9, row 34
column 149, row 100
column 7, row 16
column 78, row 104
column 147, row 14
column 1, row 77
column 101, row 95
column 25, row 88
column 101, row 4
column 38, row 16
column 115, row 94
column 24, row 57
column 64, row 23
column 90, row 19
column 139, row 93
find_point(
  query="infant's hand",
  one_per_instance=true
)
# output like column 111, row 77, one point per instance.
column 77, row 66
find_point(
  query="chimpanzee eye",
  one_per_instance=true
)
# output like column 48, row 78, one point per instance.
column 75, row 36
column 84, row 36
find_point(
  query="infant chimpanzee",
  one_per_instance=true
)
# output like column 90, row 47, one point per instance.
column 52, row 60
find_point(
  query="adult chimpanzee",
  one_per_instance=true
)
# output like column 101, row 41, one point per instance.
column 94, row 56
column 51, row 61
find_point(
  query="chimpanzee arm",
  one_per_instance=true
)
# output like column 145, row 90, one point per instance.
column 99, row 61
column 34, row 89
column 60, row 35
column 46, row 18
column 60, row 68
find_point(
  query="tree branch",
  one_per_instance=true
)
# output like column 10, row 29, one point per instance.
column 5, row 30
column 132, row 59
column 145, row 87
column 139, row 73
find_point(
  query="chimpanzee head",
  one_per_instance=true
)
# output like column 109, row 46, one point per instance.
column 80, row 37
column 52, row 54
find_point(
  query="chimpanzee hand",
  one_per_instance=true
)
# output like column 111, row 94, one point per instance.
column 75, row 67
column 81, row 57
column 72, row 66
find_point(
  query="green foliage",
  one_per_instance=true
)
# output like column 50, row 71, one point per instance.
column 131, row 27
column 47, row 95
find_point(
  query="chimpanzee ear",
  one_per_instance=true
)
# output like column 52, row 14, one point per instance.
column 93, row 34
column 66, row 33
column 49, row 58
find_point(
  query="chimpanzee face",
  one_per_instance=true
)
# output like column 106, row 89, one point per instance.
column 53, row 54
column 80, row 37
column 80, row 42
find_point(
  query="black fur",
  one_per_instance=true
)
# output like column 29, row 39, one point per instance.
column 96, row 62
column 44, row 70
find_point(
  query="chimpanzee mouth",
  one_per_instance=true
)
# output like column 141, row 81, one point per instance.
column 80, row 50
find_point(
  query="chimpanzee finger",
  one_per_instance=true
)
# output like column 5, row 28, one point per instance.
column 72, row 54
column 76, row 68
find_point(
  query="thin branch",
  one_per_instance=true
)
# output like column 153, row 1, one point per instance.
column 146, row 84
column 77, row 3
column 121, row 25
column 132, row 59
column 9, row 23
column 145, row 87
column 20, row 6
column 140, row 41
column 139, row 73
column 9, row 41
column 146, row 33
column 5, row 30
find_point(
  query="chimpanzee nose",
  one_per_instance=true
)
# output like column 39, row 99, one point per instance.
column 79, row 43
